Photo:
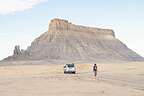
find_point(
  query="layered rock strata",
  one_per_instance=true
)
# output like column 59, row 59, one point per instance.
column 67, row 41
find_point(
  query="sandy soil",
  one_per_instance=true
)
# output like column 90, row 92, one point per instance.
column 49, row 80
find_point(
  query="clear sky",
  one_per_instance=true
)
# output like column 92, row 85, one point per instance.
column 21, row 21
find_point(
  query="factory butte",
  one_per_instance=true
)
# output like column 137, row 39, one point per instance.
column 69, row 42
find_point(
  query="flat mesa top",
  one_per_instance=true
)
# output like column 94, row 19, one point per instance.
column 61, row 25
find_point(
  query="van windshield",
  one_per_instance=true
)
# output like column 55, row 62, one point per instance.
column 70, row 65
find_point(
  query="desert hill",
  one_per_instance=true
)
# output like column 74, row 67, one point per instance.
column 67, row 41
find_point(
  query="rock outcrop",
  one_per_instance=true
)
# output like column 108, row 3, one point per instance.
column 67, row 41
column 17, row 50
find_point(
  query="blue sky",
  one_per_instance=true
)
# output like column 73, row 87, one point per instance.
column 21, row 21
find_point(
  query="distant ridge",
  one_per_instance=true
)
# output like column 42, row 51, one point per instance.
column 67, row 41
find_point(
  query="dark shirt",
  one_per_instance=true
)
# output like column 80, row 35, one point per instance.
column 94, row 68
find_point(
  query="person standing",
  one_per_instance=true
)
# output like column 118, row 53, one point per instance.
column 95, row 70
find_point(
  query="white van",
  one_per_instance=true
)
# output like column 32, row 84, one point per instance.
column 69, row 68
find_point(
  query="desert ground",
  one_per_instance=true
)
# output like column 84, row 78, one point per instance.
column 48, row 80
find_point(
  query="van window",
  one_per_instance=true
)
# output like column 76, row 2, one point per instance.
column 70, row 65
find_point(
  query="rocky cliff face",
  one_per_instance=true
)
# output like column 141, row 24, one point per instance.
column 66, row 41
